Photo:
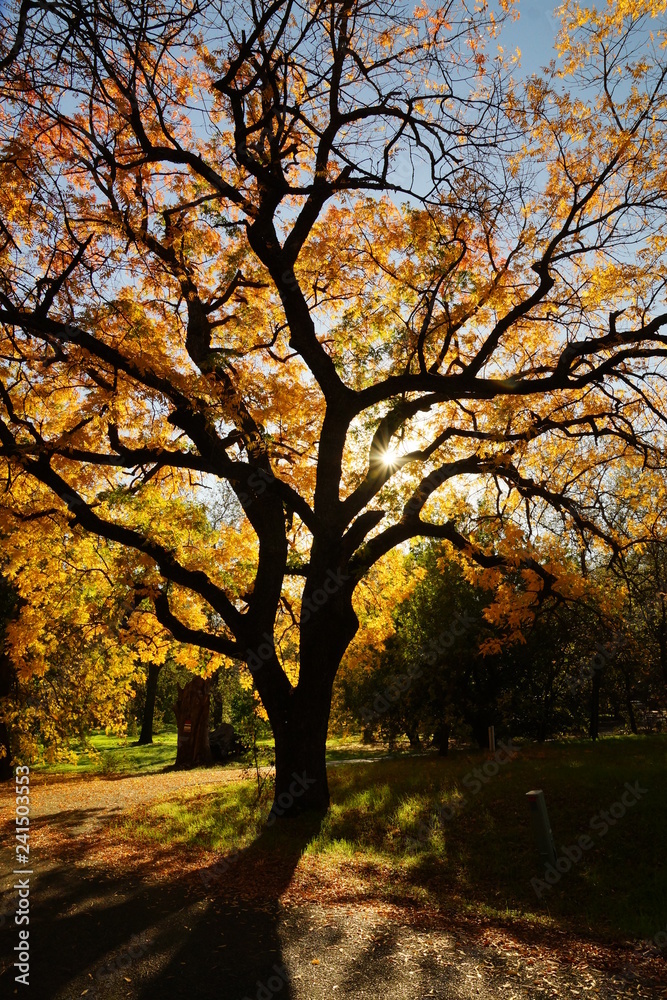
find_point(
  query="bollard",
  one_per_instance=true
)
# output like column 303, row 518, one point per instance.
column 492, row 739
column 541, row 826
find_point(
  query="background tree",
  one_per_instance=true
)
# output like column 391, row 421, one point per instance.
column 7, row 677
column 445, row 666
column 82, row 632
column 148, row 715
column 428, row 674
column 331, row 259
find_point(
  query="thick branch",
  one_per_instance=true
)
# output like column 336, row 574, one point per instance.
column 197, row 637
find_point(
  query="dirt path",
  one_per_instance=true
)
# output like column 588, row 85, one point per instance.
column 85, row 804
column 102, row 937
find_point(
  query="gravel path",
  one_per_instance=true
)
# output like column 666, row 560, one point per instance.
column 157, row 945
column 85, row 804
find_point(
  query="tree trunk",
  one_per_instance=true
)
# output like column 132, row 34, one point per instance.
column 299, row 716
column 662, row 645
column 547, row 706
column 301, row 770
column 413, row 737
column 480, row 730
column 594, row 725
column 541, row 729
column 216, row 698
column 191, row 709
column 628, row 704
column 441, row 739
column 301, row 720
column 146, row 735
column 631, row 716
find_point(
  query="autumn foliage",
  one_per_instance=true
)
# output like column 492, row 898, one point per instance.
column 331, row 268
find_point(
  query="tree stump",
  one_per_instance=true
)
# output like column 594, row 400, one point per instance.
column 191, row 709
column 224, row 741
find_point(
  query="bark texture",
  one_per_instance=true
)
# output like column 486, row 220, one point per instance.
column 191, row 709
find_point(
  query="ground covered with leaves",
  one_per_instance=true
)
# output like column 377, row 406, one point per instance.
column 155, row 898
column 454, row 835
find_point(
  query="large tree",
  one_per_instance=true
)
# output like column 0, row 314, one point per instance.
column 330, row 258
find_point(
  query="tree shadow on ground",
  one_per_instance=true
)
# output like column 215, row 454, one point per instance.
column 206, row 933
column 164, row 928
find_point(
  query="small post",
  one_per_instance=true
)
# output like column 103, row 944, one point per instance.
column 541, row 826
column 492, row 739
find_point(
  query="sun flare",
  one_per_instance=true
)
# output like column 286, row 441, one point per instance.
column 390, row 457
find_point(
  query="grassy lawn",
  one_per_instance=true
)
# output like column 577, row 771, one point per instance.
column 433, row 832
column 114, row 755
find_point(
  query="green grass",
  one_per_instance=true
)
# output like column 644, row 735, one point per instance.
column 481, row 859
column 114, row 755
column 348, row 748
column 223, row 820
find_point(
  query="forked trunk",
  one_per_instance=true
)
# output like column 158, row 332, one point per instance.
column 191, row 709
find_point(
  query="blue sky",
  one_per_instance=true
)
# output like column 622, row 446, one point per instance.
column 534, row 33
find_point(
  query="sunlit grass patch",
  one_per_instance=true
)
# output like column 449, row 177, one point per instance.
column 214, row 819
column 420, row 831
column 108, row 755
